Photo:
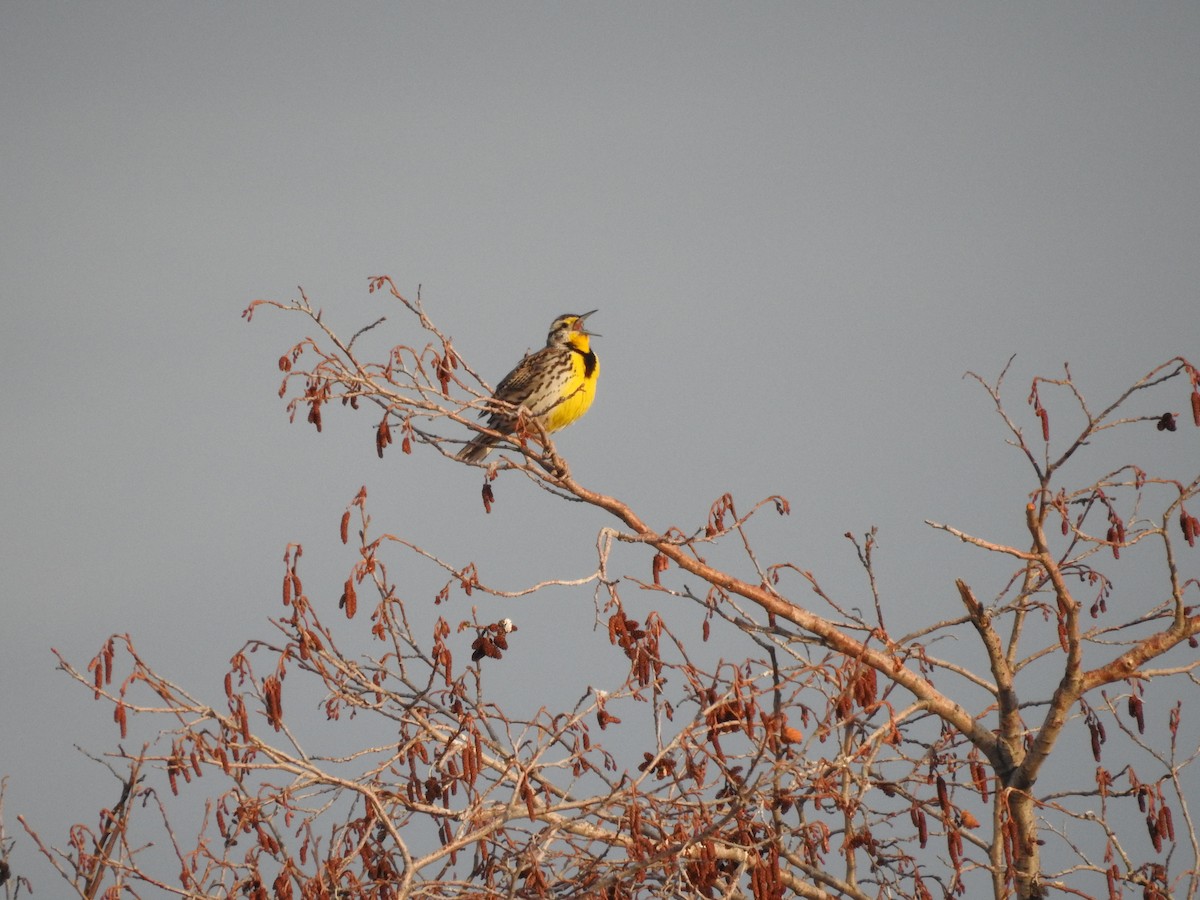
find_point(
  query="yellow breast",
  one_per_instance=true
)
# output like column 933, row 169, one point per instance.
column 580, row 390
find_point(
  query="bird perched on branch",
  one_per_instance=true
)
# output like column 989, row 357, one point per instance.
column 556, row 384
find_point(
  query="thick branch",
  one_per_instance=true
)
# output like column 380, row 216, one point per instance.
column 829, row 634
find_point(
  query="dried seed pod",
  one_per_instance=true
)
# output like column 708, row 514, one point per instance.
column 383, row 436
column 1196, row 407
column 918, row 819
column 482, row 646
column 943, row 795
column 1166, row 823
column 658, row 566
column 1189, row 526
column 979, row 778
column 1155, row 834
column 243, row 721
column 954, row 845
column 444, row 365
column 1137, row 711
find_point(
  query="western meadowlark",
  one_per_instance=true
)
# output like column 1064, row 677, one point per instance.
column 556, row 384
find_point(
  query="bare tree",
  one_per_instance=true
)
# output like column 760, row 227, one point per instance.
column 823, row 755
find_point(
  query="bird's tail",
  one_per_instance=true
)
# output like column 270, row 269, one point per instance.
column 476, row 449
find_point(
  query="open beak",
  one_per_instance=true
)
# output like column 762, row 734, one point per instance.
column 579, row 325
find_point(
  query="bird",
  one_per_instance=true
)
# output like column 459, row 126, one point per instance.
column 556, row 384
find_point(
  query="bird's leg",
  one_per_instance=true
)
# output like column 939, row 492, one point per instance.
column 525, row 426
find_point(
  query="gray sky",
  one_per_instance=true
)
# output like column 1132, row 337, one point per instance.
column 801, row 224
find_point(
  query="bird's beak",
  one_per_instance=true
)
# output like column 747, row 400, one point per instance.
column 579, row 325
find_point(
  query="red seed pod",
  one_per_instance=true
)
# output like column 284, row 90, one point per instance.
column 1196, row 407
column 955, row 846
column 1137, row 711
column 658, row 566
column 1045, row 417
column 349, row 601
column 979, row 778
column 1166, row 823
column 383, row 437
column 918, row 817
column 243, row 722
column 943, row 795
column 488, row 497
column 1095, row 741
column 1155, row 834
column 345, row 527
column 272, row 696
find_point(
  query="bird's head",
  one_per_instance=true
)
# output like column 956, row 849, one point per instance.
column 570, row 330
